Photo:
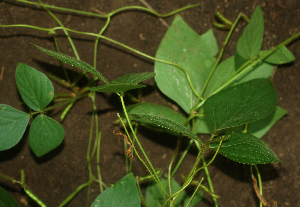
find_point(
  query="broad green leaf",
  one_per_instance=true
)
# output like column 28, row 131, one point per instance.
column 116, row 88
column 45, row 134
column 155, row 197
column 12, row 126
column 124, row 193
column 6, row 200
column 165, row 123
column 124, row 83
column 281, row 56
column 35, row 88
column 183, row 46
column 249, row 44
column 261, row 127
column 74, row 62
column 241, row 104
column 246, row 149
column 196, row 199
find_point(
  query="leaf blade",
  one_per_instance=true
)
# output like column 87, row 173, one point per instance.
column 12, row 126
column 123, row 193
column 45, row 134
column 246, row 149
column 35, row 87
column 241, row 104
column 250, row 42
column 73, row 62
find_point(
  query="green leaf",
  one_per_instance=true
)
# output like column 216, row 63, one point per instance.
column 165, row 123
column 249, row 44
column 124, row 83
column 6, row 199
column 35, row 88
column 224, row 71
column 262, row 70
column 153, row 109
column 12, row 126
column 246, row 149
column 183, row 46
column 281, row 56
column 124, row 193
column 45, row 134
column 241, row 104
column 74, row 62
column 261, row 127
column 155, row 197
column 115, row 88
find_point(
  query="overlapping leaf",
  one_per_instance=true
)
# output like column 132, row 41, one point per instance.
column 74, row 62
column 281, row 56
column 244, row 103
column 246, row 149
column 35, row 88
column 45, row 134
column 123, row 193
column 195, row 53
column 124, row 83
column 249, row 44
column 164, row 123
column 12, row 126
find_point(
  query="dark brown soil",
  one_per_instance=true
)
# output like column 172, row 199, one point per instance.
column 54, row 176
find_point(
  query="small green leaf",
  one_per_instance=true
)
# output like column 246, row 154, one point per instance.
column 249, row 44
column 124, row 193
column 241, row 104
column 35, row 88
column 6, row 199
column 183, row 46
column 165, row 123
column 246, row 149
column 261, row 127
column 45, row 134
column 12, row 126
column 74, row 62
column 281, row 56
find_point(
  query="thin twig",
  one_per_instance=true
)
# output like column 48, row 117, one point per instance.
column 160, row 19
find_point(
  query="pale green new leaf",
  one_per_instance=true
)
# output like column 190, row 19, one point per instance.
column 249, row 44
column 12, row 126
column 183, row 46
column 123, row 194
column 45, row 134
column 74, row 62
column 246, row 149
column 35, row 87
column 281, row 56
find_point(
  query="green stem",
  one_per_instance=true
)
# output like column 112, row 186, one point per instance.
column 70, row 197
column 153, row 172
column 259, row 183
column 63, row 28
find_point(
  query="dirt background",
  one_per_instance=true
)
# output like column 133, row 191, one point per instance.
column 53, row 177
